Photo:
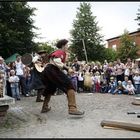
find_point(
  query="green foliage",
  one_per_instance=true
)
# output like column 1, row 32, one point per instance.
column 16, row 26
column 111, row 54
column 46, row 46
column 127, row 48
column 85, row 29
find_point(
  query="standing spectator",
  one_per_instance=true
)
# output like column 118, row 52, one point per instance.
column 4, row 71
column 97, row 81
column 80, row 81
column 136, row 80
column 14, row 81
column 27, row 75
column 105, row 65
column 76, row 65
column 93, row 82
column 11, row 66
column 129, row 69
column 74, row 78
column 119, row 70
column 87, row 81
column 20, row 67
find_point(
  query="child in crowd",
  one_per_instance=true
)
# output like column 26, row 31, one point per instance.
column 14, row 84
column 130, row 87
column 97, row 81
column 119, row 89
column 112, row 85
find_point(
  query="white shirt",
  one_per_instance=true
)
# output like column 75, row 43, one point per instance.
column 19, row 68
column 136, row 79
column 13, row 80
column 130, row 87
column 80, row 77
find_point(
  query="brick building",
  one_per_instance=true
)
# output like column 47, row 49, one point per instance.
column 115, row 41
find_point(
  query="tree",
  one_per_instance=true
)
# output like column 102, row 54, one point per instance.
column 127, row 47
column 85, row 29
column 16, row 24
column 111, row 54
column 138, row 18
column 45, row 46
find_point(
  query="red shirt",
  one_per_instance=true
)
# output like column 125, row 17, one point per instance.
column 58, row 54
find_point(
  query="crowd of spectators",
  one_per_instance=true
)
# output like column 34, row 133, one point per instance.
column 109, row 77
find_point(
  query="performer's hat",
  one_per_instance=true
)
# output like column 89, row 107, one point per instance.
column 41, row 52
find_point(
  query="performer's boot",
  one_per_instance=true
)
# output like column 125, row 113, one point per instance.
column 72, row 103
column 45, row 107
column 39, row 93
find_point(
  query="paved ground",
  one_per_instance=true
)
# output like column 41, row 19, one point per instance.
column 24, row 119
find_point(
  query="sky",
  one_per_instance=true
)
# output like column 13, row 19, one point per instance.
column 54, row 19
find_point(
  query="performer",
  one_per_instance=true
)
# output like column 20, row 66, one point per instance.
column 53, row 77
column 36, row 82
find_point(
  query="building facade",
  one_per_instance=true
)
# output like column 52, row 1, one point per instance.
column 114, row 42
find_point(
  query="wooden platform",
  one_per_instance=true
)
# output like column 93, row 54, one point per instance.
column 4, row 104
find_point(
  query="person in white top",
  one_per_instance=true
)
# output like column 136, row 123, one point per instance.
column 119, row 70
column 19, row 67
column 80, row 81
column 14, row 84
column 130, row 87
column 136, row 79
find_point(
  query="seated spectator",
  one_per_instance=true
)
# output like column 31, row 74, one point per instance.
column 124, row 84
column 130, row 87
column 119, row 89
column 112, row 85
column 104, row 86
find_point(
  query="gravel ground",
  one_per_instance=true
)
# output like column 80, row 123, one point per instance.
column 24, row 119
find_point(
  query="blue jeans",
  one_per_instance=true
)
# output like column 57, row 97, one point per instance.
column 15, row 92
column 137, row 86
column 22, row 84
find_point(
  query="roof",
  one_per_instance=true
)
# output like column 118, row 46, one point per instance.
column 12, row 58
column 120, row 35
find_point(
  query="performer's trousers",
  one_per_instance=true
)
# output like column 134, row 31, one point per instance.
column 39, row 93
column 45, row 107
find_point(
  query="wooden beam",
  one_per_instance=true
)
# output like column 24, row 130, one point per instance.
column 122, row 125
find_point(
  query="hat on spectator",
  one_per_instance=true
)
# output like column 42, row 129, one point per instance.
column 136, row 71
column 112, row 78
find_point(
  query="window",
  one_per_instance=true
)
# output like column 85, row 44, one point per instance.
column 114, row 47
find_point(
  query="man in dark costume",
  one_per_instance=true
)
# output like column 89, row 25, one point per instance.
column 53, row 77
column 36, row 82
